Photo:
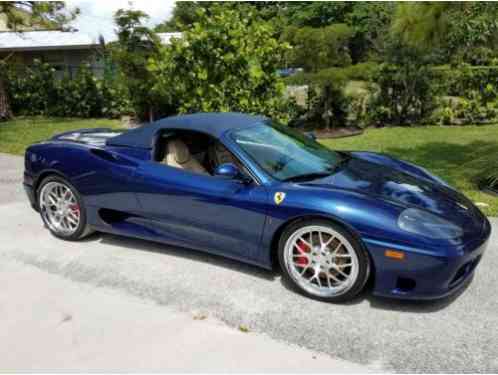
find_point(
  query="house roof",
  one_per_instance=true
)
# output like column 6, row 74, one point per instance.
column 45, row 40
column 57, row 40
column 214, row 124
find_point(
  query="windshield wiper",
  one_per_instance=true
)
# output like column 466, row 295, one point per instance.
column 307, row 176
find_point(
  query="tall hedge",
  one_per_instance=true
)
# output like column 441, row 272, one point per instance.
column 41, row 90
column 461, row 80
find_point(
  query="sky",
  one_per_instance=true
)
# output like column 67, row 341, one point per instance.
column 96, row 15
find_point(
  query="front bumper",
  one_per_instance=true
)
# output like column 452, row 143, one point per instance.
column 422, row 275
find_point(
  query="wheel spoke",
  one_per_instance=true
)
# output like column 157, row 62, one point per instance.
column 305, row 242
column 328, row 280
column 71, row 219
column 52, row 198
column 301, row 251
column 336, row 248
column 334, row 278
column 65, row 223
column 339, row 271
column 329, row 241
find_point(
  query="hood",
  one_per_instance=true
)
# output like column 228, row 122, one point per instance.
column 391, row 184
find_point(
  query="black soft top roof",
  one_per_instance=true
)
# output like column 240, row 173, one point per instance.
column 214, row 124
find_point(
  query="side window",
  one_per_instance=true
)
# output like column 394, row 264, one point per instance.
column 219, row 154
column 192, row 151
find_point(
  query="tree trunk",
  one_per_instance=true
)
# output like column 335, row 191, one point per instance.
column 5, row 112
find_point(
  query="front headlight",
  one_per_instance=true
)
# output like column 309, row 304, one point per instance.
column 428, row 225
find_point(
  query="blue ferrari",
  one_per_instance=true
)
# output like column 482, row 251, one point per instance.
column 248, row 188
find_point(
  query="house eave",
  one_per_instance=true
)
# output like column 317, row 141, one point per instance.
column 48, row 48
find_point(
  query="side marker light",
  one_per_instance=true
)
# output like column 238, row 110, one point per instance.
column 393, row 254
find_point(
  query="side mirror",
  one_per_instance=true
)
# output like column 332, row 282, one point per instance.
column 229, row 171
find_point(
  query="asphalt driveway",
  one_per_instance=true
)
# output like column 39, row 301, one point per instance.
column 453, row 335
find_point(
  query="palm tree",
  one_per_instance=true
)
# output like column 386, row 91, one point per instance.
column 422, row 24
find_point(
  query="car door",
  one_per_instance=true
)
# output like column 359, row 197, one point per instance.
column 201, row 211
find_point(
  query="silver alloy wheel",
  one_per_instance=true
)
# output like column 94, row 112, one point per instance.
column 59, row 208
column 321, row 261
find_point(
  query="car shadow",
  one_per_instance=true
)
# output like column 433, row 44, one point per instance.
column 190, row 254
column 367, row 295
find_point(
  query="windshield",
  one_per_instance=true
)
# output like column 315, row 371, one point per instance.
column 286, row 154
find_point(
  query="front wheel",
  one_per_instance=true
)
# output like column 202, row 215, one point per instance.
column 62, row 209
column 323, row 261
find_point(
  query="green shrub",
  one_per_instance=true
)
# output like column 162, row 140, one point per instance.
column 359, row 110
column 362, row 72
column 462, row 111
column 326, row 107
column 226, row 62
column 116, row 99
column 40, row 90
column 329, row 105
column 461, row 80
column 404, row 95
column 318, row 48
column 80, row 96
column 477, row 90
column 33, row 90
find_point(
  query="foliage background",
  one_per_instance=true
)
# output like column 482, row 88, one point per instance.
column 361, row 63
column 38, row 90
column 226, row 61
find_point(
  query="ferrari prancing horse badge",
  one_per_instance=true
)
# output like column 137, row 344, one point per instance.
column 279, row 197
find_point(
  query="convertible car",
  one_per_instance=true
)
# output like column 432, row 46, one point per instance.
column 248, row 188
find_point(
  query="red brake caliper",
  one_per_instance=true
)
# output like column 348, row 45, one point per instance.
column 75, row 208
column 303, row 248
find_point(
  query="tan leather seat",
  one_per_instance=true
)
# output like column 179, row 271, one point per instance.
column 178, row 156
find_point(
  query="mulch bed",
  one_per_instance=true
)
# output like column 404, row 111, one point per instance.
column 337, row 133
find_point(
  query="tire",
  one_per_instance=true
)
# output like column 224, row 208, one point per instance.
column 57, row 198
column 323, row 261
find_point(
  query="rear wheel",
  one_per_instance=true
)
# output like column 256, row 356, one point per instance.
column 62, row 209
column 323, row 261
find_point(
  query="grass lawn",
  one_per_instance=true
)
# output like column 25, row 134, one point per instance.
column 18, row 134
column 445, row 151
